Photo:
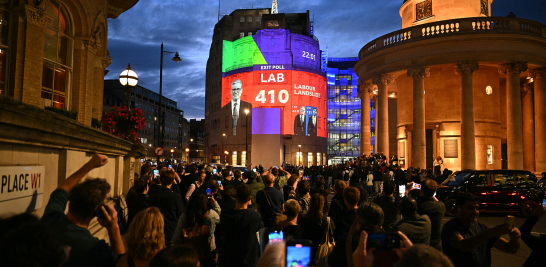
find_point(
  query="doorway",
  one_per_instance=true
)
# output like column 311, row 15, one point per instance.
column 504, row 156
column 430, row 148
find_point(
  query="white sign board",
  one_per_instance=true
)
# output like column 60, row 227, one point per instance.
column 21, row 187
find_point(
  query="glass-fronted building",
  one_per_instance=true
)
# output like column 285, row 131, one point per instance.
column 344, row 111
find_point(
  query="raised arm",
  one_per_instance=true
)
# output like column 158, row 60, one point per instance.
column 96, row 161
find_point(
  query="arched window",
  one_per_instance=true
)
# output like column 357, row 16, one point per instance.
column 5, row 14
column 58, row 47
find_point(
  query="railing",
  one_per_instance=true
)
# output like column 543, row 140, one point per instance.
column 463, row 26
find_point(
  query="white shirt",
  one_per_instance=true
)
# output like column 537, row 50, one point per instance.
column 314, row 120
column 237, row 108
column 301, row 118
column 191, row 189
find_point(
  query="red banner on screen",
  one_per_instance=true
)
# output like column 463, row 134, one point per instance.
column 301, row 97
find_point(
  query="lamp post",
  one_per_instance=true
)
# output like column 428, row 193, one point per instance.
column 187, row 154
column 176, row 59
column 129, row 79
column 225, row 158
column 172, row 152
column 246, row 137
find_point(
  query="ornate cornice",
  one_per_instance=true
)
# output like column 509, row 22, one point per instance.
column 93, row 45
column 383, row 79
column 512, row 67
column 537, row 73
column 37, row 16
column 418, row 72
column 466, row 68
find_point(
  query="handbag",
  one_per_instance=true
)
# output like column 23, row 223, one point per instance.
column 326, row 247
column 277, row 217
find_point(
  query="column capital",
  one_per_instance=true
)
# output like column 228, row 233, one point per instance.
column 366, row 88
column 418, row 72
column 537, row 73
column 466, row 68
column 513, row 67
column 383, row 79
column 527, row 88
column 37, row 15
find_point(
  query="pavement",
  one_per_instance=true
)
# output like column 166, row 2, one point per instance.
column 499, row 258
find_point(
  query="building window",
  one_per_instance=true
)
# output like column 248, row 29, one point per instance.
column 309, row 159
column 57, row 71
column 249, row 34
column 4, row 33
column 324, row 159
column 234, row 158
column 249, row 19
column 318, row 159
column 298, row 158
column 242, row 34
column 243, row 158
column 242, row 19
column 489, row 154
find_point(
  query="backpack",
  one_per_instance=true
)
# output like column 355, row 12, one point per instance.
column 277, row 185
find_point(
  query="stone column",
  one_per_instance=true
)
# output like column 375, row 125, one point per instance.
column 468, row 135
column 382, row 113
column 513, row 113
column 364, row 92
column 527, row 107
column 539, row 76
column 419, row 142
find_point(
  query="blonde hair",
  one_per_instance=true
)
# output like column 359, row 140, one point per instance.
column 274, row 256
column 291, row 208
column 146, row 234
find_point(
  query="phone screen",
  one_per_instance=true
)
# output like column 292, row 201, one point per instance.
column 214, row 171
column 170, row 167
column 271, row 235
column 544, row 202
column 209, row 192
column 383, row 241
column 298, row 253
column 141, row 160
column 402, row 190
column 276, row 166
column 219, row 182
column 254, row 170
column 156, row 173
column 416, row 186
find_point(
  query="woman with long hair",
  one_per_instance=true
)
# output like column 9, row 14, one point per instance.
column 145, row 238
column 196, row 227
column 314, row 224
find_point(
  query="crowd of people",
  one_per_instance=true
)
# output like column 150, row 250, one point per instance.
column 200, row 215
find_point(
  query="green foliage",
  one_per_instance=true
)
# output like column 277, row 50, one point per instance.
column 95, row 123
column 67, row 113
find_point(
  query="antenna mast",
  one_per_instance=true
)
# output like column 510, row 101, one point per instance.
column 274, row 8
column 219, row 10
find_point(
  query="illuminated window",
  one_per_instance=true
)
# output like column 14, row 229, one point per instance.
column 4, row 31
column 309, row 159
column 242, row 34
column 242, row 19
column 489, row 154
column 318, row 159
column 57, row 71
column 298, row 158
column 249, row 34
column 234, row 158
column 488, row 90
column 243, row 158
column 324, row 159
column 249, row 19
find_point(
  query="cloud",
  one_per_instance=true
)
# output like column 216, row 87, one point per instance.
column 186, row 26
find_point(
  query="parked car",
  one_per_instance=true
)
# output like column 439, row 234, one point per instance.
column 242, row 168
column 497, row 190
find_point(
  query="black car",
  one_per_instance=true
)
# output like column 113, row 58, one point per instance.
column 497, row 190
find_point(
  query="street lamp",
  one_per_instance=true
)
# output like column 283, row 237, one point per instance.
column 176, row 59
column 172, row 152
column 128, row 78
column 225, row 158
column 187, row 154
column 246, row 137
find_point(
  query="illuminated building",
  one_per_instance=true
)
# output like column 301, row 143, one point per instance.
column 469, row 87
column 270, row 66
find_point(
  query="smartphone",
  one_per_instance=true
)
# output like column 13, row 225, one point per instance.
column 383, row 240
column 141, row 160
column 509, row 221
column 170, row 167
column 214, row 171
column 98, row 212
column 416, row 186
column 209, row 192
column 219, row 182
column 156, row 174
column 402, row 190
column 298, row 252
column 271, row 235
column 306, row 178
column 544, row 202
column 254, row 170
column 277, row 167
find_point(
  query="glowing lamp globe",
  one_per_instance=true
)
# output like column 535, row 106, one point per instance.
column 128, row 77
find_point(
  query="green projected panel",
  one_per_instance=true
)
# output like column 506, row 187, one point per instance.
column 241, row 53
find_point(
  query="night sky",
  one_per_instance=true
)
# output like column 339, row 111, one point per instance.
column 186, row 26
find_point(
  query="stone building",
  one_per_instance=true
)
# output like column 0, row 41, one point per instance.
column 470, row 87
column 175, row 133
column 53, row 53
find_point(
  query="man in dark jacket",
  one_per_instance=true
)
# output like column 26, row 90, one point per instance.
column 139, row 200
column 414, row 226
column 389, row 204
column 343, row 223
column 240, row 225
column 169, row 203
column 338, row 207
column 428, row 205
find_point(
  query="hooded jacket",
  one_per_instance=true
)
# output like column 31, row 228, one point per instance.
column 241, row 246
